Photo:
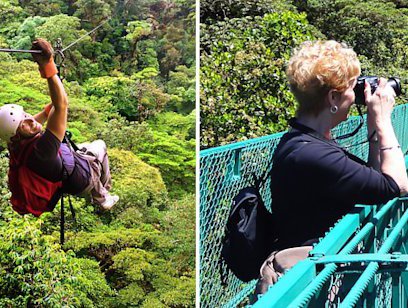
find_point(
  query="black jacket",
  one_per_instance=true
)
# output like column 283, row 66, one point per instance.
column 315, row 182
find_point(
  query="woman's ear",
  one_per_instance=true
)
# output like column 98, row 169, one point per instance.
column 333, row 97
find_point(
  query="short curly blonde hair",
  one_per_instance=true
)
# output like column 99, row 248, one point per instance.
column 315, row 68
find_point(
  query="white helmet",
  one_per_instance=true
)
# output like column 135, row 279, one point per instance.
column 10, row 117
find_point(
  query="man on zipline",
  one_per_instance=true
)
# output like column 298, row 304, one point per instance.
column 42, row 164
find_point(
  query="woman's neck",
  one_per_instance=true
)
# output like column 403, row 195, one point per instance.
column 320, row 123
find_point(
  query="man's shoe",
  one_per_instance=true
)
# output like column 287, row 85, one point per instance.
column 110, row 201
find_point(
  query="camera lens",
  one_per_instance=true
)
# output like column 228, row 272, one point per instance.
column 394, row 82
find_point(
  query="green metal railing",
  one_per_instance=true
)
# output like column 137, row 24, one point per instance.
column 365, row 267
column 322, row 279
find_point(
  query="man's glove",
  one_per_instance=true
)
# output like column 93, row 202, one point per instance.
column 45, row 59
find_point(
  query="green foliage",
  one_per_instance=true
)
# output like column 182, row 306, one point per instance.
column 180, row 126
column 175, row 157
column 12, row 93
column 130, row 296
column 179, row 225
column 35, row 272
column 212, row 11
column 125, row 135
column 166, row 142
column 94, row 11
column 400, row 3
column 244, row 91
column 171, row 49
column 60, row 26
column 137, row 30
column 44, row 8
column 132, row 263
column 243, row 85
column 86, row 220
column 136, row 266
column 137, row 66
column 139, row 185
column 26, row 34
column 83, row 122
column 175, row 292
column 181, row 86
column 135, row 99
column 377, row 22
column 105, row 243
column 9, row 11
column 147, row 55
column 374, row 29
column 23, row 75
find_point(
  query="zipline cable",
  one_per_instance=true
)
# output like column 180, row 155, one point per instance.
column 61, row 51
column 90, row 32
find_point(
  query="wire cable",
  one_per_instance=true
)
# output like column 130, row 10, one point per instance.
column 88, row 33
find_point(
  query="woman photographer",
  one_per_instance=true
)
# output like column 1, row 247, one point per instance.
column 315, row 181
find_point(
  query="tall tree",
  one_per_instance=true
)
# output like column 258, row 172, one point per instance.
column 94, row 12
column 44, row 8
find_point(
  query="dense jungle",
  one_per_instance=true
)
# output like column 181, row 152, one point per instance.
column 132, row 84
column 245, row 46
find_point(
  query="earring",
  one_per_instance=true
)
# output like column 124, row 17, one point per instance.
column 334, row 109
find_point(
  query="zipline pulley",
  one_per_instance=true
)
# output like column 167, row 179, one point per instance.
column 59, row 58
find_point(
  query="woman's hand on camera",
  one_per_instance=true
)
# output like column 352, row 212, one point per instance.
column 381, row 103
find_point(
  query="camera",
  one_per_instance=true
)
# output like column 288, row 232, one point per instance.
column 394, row 82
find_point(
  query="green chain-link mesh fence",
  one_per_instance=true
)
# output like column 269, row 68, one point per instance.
column 224, row 171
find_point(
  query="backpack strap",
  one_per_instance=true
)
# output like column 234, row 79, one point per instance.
column 260, row 181
column 222, row 275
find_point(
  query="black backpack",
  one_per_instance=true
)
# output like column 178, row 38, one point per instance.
column 249, row 235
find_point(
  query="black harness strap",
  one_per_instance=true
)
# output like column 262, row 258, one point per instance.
column 62, row 221
column 67, row 139
column 71, row 208
column 68, row 136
